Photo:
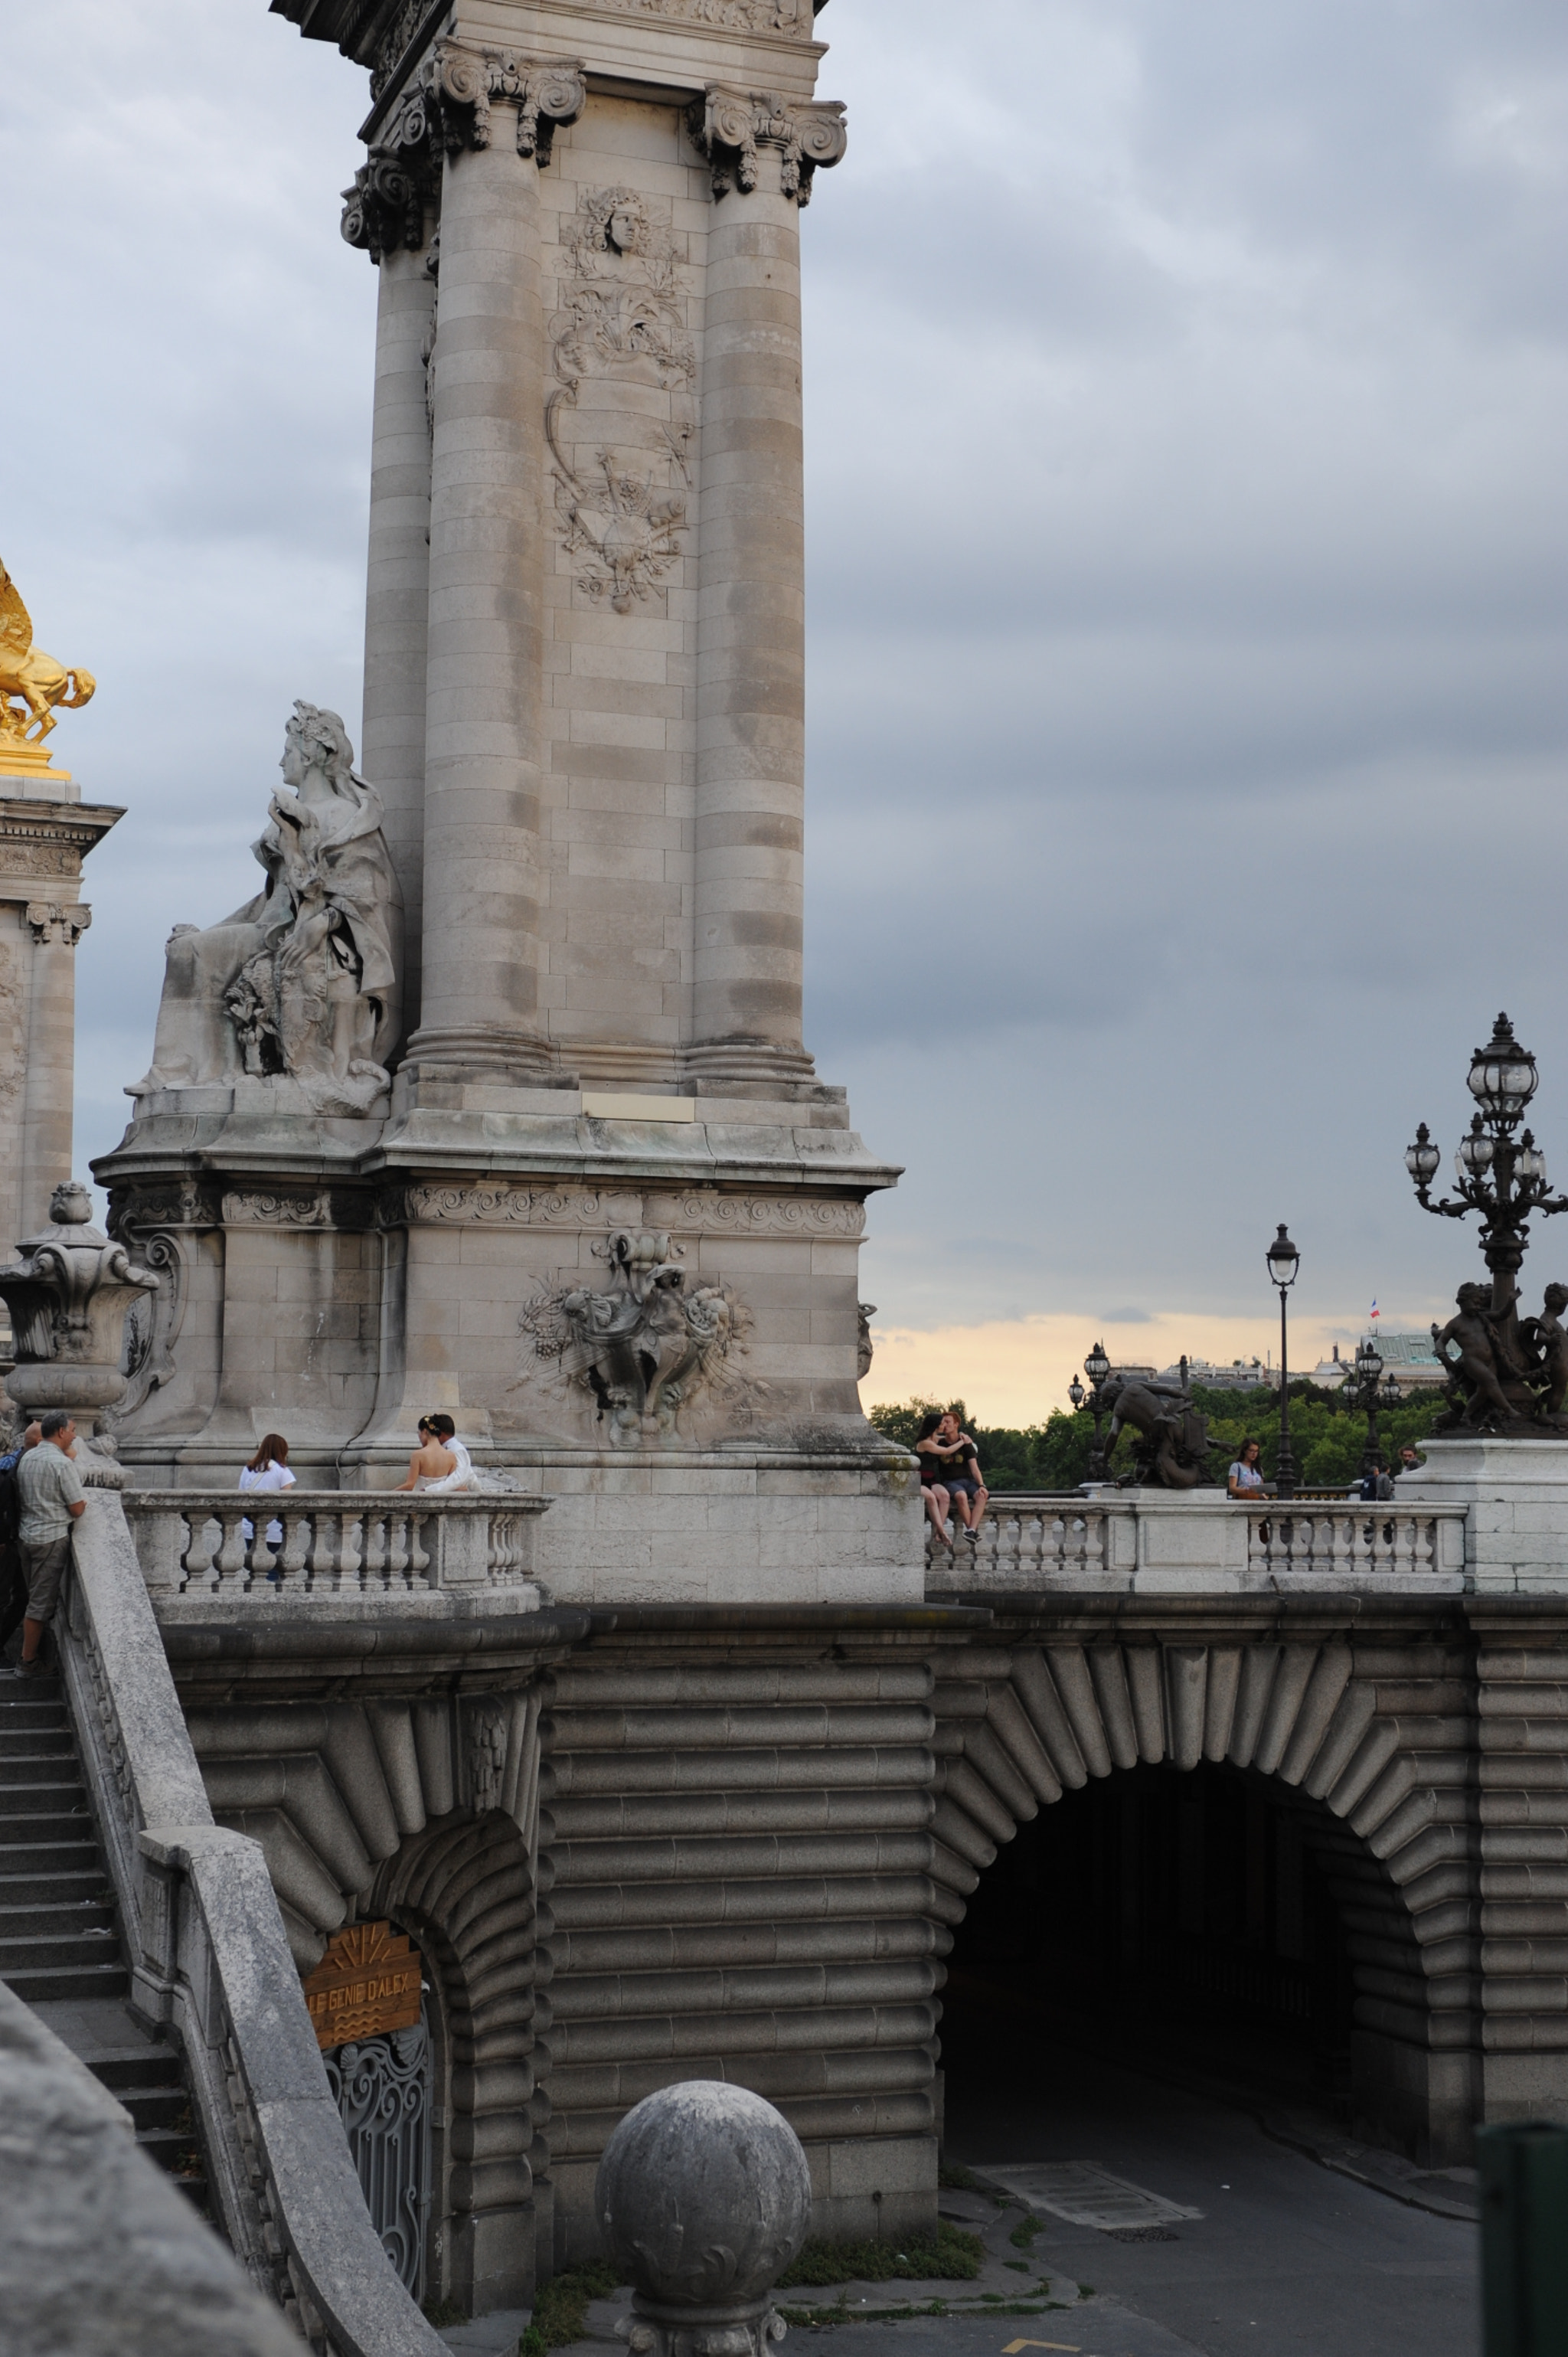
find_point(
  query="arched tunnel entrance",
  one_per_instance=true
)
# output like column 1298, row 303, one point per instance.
column 1209, row 1923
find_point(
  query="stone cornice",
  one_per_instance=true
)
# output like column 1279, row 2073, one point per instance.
column 729, row 126
column 48, row 838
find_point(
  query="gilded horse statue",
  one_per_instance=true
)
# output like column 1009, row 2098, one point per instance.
column 30, row 677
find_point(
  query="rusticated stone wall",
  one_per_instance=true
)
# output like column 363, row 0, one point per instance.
column 754, row 1832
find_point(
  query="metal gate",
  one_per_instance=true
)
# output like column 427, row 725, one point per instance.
column 382, row 2089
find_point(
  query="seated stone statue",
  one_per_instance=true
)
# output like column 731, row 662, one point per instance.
column 300, row 987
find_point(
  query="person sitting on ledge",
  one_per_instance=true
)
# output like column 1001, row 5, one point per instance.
column 268, row 1470
column 933, row 1490
column 957, row 1460
column 1244, row 1480
column 440, row 1462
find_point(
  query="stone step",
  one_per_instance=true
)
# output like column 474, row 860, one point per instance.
column 69, row 1852
column 73, row 1981
column 21, row 1769
column 44, row 1919
column 41, row 1741
column 51, row 1884
column 30, row 1800
column 31, row 1951
column 46, row 1829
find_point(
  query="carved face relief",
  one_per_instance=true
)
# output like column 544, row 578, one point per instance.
column 622, row 487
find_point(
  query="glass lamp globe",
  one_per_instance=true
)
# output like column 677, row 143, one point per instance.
column 1369, row 1360
column 1476, row 1151
column 1076, row 1393
column 1503, row 1077
column 1530, row 1163
column 1423, row 1158
column 1283, row 1259
column 1097, row 1366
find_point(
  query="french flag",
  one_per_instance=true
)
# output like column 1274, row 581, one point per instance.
column 1376, row 1312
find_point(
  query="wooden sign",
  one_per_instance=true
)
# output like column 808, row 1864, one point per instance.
column 367, row 1983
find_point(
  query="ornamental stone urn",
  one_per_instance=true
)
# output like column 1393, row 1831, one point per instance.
column 67, row 1292
column 704, row 2197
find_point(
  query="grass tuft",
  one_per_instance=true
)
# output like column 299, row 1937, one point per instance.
column 560, row 2308
column 948, row 2254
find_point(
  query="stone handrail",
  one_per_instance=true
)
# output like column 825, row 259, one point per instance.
column 210, row 1958
column 213, row 1546
column 1195, row 1540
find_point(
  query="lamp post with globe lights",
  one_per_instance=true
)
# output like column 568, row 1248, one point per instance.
column 1366, row 1390
column 1284, row 1260
column 1502, row 1177
column 1097, row 1367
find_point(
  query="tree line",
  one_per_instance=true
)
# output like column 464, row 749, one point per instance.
column 1327, row 1435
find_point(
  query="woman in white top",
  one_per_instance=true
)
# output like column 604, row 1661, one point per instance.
column 268, row 1470
column 1245, row 1482
column 441, row 1461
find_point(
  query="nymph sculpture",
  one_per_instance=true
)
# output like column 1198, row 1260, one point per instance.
column 299, row 989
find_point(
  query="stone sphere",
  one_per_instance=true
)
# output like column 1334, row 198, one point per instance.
column 703, row 2195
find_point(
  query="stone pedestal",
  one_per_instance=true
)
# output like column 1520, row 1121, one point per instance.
column 1517, row 1493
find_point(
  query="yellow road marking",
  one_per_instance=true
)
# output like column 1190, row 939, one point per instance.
column 1012, row 2347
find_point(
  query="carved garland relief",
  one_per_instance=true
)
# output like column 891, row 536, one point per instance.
column 686, row 1211
column 623, row 467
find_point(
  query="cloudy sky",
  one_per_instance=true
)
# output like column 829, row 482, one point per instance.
column 1187, row 486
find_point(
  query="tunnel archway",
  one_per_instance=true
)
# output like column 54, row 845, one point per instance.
column 1200, row 1921
column 1242, row 1835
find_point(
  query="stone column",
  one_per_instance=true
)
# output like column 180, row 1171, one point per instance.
column 56, row 930
column 398, row 587
column 485, row 678
column 751, row 610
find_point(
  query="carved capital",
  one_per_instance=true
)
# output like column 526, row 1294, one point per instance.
column 396, row 186
column 462, row 85
column 728, row 126
column 449, row 109
column 52, row 922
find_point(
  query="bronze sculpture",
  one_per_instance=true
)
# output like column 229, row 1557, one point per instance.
column 1172, row 1446
column 1507, row 1376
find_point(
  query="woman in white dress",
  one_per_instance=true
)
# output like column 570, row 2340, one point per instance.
column 440, row 1462
column 268, row 1470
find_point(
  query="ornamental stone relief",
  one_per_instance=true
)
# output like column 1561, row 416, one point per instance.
column 38, row 858
column 688, row 1211
column 646, row 1348
column 792, row 17
column 623, row 467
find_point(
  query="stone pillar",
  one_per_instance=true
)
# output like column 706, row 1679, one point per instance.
column 398, row 587
column 750, row 821
column 485, row 679
column 56, row 929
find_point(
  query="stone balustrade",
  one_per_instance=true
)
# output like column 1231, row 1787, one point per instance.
column 1154, row 1541
column 213, row 1546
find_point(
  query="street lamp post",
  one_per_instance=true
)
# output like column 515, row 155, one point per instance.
column 1364, row 1392
column 1503, row 1178
column 1284, row 1260
column 1097, row 1367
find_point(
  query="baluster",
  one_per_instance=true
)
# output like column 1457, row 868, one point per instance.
column 375, row 1554
column 397, row 1527
column 197, row 1560
column 421, row 1547
column 1095, row 1526
column 231, row 1550
column 291, row 1559
column 1055, row 1540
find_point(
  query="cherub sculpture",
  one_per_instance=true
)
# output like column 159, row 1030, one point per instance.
column 30, row 677
column 1475, row 1371
column 1547, row 1340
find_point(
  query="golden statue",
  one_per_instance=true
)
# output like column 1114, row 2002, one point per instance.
column 34, row 680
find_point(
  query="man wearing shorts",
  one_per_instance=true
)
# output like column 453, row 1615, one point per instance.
column 52, row 1498
column 960, row 1473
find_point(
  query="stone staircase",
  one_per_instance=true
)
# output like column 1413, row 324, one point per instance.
column 60, row 1944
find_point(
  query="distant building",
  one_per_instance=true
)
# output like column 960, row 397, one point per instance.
column 1410, row 1359
column 1240, row 1375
